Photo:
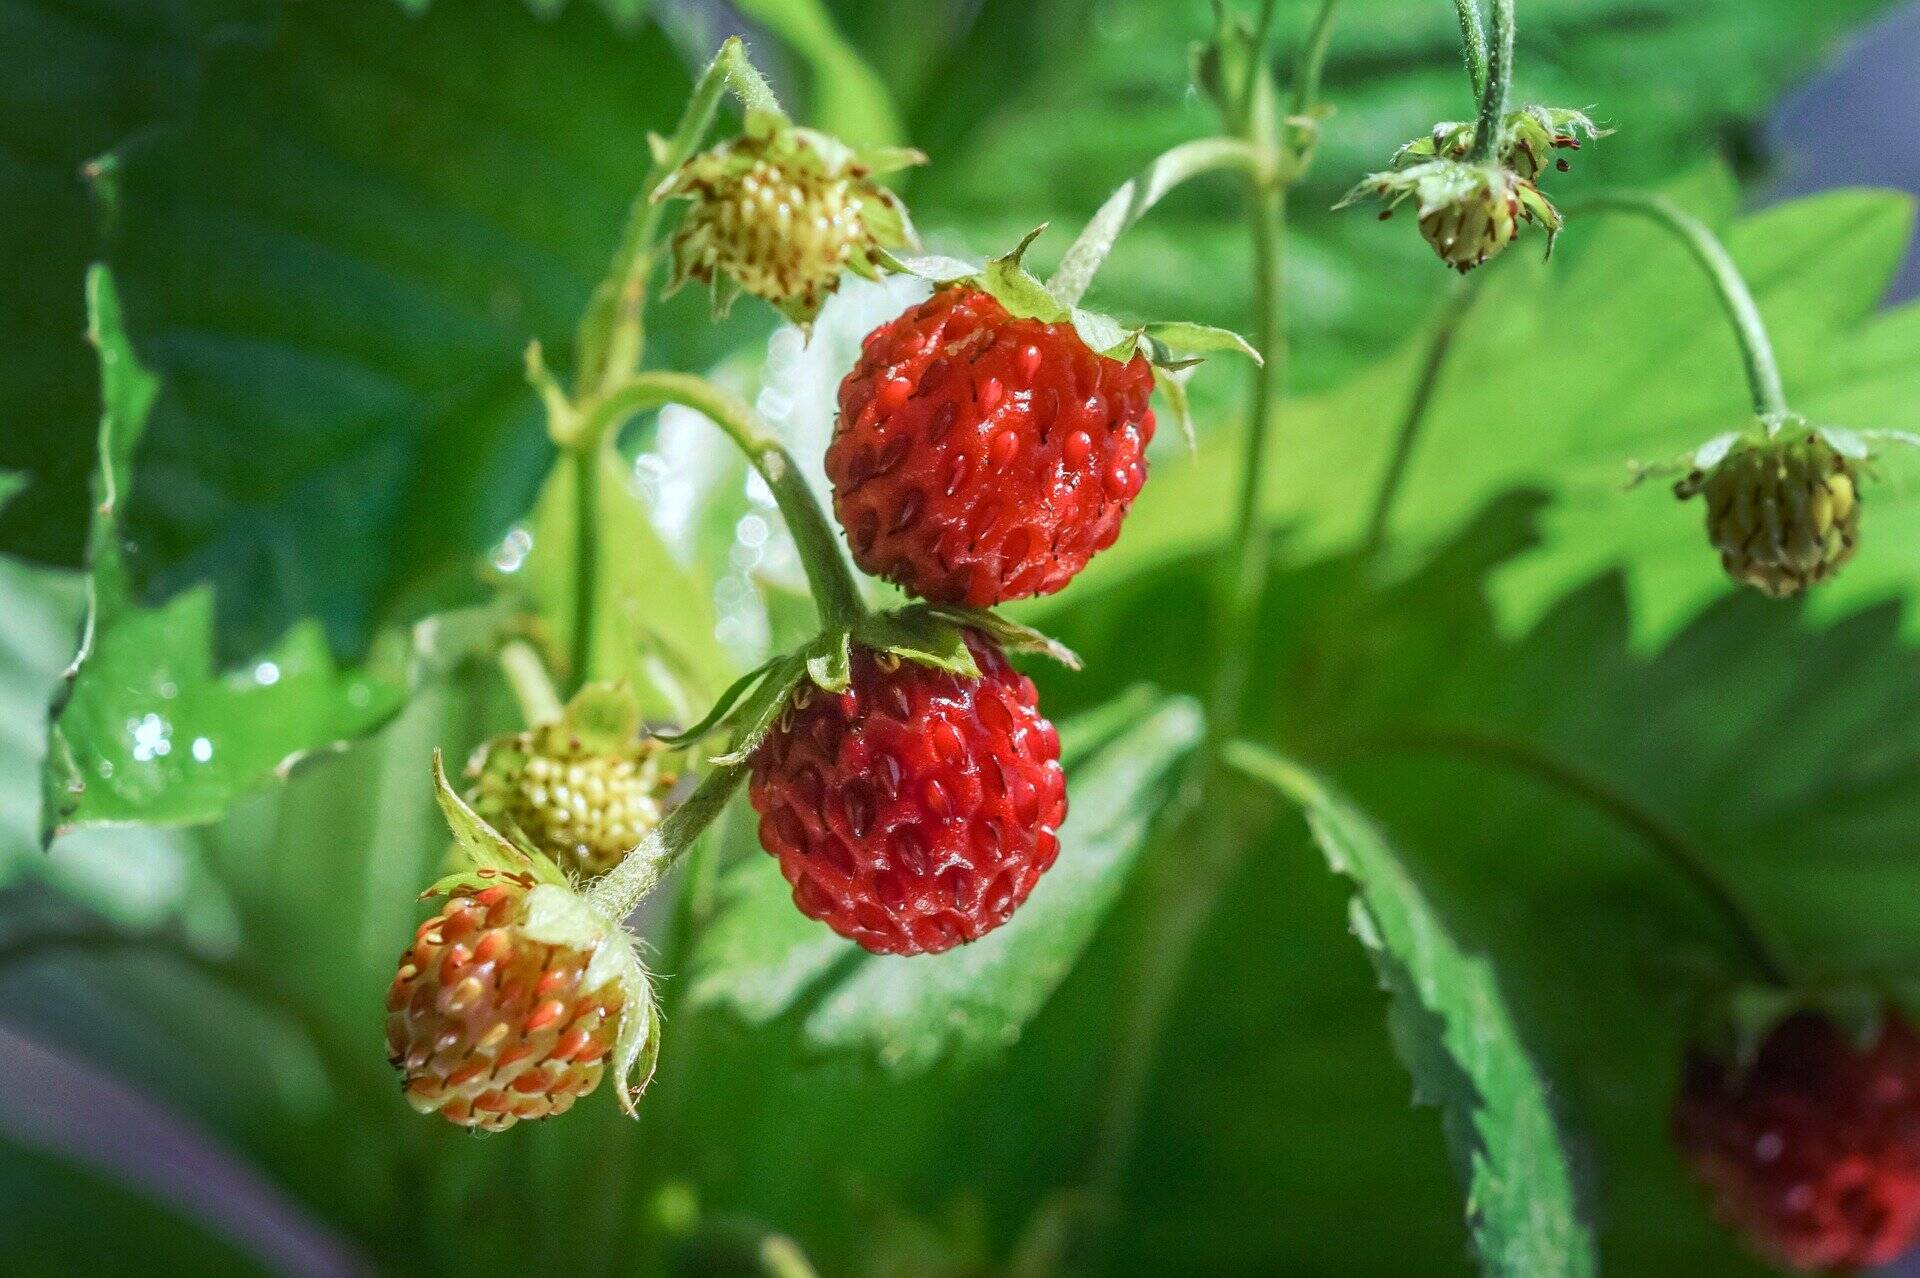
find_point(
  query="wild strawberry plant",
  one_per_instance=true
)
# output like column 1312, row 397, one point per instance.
column 908, row 939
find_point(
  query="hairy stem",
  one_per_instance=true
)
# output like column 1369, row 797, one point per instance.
column 1138, row 194
column 1497, row 83
column 584, row 455
column 616, row 893
column 1439, row 345
column 1750, row 330
column 532, row 687
column 612, row 333
column 1667, row 843
column 1473, row 44
column 834, row 591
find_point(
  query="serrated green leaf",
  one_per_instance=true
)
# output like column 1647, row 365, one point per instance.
column 1458, row 1038
column 149, row 730
column 761, row 957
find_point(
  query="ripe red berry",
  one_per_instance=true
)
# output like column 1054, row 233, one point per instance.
column 1813, row 1152
column 981, row 458
column 916, row 810
column 489, row 1025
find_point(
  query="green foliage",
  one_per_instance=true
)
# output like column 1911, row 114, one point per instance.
column 1564, row 373
column 1457, row 1037
column 149, row 730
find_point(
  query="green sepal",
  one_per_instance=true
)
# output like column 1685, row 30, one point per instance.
column 605, row 717
column 829, row 661
column 1737, row 1021
column 636, row 1048
column 763, row 709
column 916, row 633
column 1178, row 339
column 1010, row 635
column 486, row 852
column 721, row 713
column 1172, row 385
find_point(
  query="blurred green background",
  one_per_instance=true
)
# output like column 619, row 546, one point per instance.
column 334, row 226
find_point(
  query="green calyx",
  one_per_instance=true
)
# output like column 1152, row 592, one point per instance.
column 1735, row 1023
column 1529, row 138
column 931, row 635
column 1468, row 212
column 781, row 211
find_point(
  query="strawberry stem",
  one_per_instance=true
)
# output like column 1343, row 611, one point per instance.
column 532, row 687
column 613, row 331
column 834, row 590
column 1473, row 43
column 1138, row 194
column 1749, row 329
column 614, row 895
column 1495, row 85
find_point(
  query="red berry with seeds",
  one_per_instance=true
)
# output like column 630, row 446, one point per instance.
column 490, row 1025
column 916, row 810
column 980, row 457
column 1812, row 1151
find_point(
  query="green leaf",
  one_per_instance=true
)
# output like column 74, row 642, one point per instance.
column 1561, row 375
column 149, row 730
column 761, row 958
column 654, row 624
column 1459, row 1039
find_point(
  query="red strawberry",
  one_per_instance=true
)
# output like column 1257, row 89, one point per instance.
column 916, row 810
column 491, row 1026
column 981, row 458
column 1812, row 1152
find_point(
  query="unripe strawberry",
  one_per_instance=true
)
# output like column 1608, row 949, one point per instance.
column 582, row 803
column 780, row 212
column 980, row 457
column 1812, row 1151
column 1784, row 514
column 916, row 810
column 1468, row 212
column 490, row 1024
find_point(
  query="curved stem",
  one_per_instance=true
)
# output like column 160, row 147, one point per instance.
column 1756, row 348
column 527, row 675
column 1313, row 60
column 1497, row 82
column 1660, row 837
column 612, row 333
column 1438, row 347
column 585, row 458
column 616, row 893
column 834, row 591
column 1473, row 44
column 1135, row 196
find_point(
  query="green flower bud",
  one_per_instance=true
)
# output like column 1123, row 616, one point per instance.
column 1468, row 212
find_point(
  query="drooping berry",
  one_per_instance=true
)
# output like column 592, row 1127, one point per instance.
column 916, row 810
column 780, row 212
column 1468, row 212
column 981, row 457
column 582, row 805
column 1812, row 1152
column 490, row 1025
column 1784, row 514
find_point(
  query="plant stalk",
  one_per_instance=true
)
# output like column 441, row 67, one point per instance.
column 532, row 688
column 1307, row 71
column 616, row 893
column 584, row 456
column 1497, row 84
column 1439, row 346
column 1749, row 329
column 1473, row 44
column 828, row 574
